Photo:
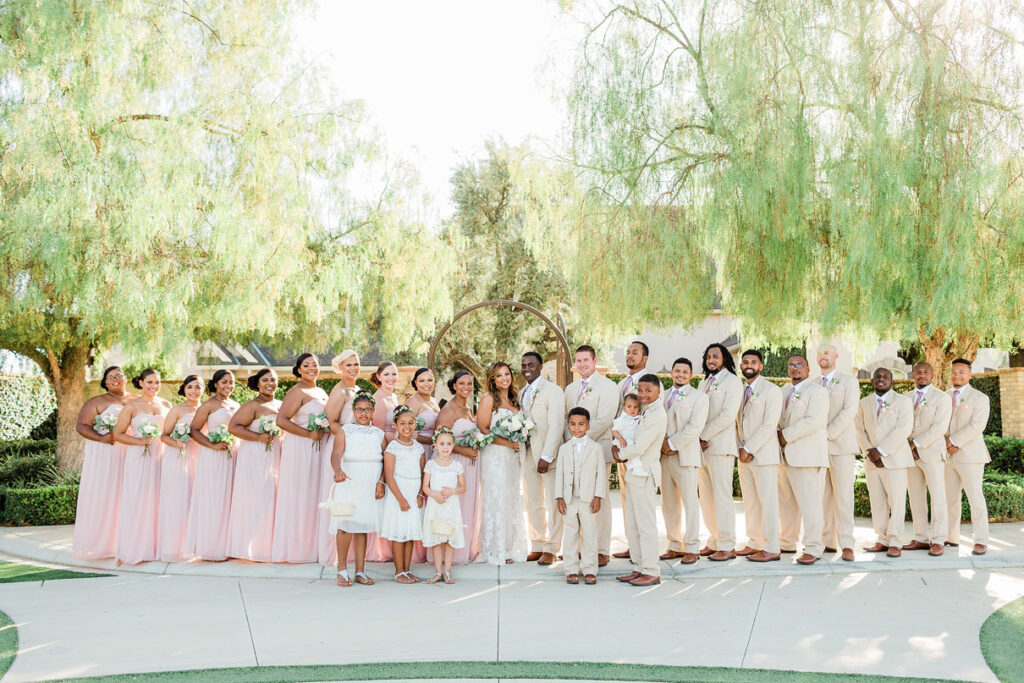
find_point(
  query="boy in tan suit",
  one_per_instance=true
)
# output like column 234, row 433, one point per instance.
column 759, row 460
column 968, row 454
column 641, row 501
column 580, row 484
column 843, row 398
column 884, row 421
column 804, row 440
column 687, row 411
column 599, row 396
column 932, row 410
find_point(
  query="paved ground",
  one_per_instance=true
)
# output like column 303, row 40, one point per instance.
column 917, row 616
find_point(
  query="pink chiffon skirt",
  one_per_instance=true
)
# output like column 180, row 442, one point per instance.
column 177, row 473
column 296, row 515
column 251, row 525
column 99, row 497
column 327, row 547
column 140, row 504
column 206, row 534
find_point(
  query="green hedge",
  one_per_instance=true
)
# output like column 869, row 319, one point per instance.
column 1007, row 454
column 25, row 401
column 39, row 506
column 1004, row 495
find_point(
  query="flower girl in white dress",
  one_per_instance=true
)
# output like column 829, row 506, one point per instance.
column 443, row 482
column 403, row 473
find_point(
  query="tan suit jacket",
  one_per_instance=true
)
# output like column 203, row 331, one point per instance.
column 967, row 426
column 592, row 482
column 931, row 422
column 888, row 432
column 759, row 422
column 649, row 437
column 685, row 421
column 602, row 401
column 843, row 397
column 724, row 401
column 804, row 425
column 547, row 410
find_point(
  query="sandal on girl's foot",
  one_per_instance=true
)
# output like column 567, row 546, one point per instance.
column 343, row 579
column 362, row 578
column 509, row 561
column 400, row 577
column 448, row 578
column 414, row 578
column 435, row 578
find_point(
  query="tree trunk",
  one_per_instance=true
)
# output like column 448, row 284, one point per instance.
column 66, row 374
column 940, row 350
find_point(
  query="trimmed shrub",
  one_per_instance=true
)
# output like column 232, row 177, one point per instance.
column 1004, row 495
column 25, row 402
column 47, row 429
column 1007, row 454
column 29, row 470
column 26, row 447
column 39, row 506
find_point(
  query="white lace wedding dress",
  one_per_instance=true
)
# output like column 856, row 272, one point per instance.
column 503, row 531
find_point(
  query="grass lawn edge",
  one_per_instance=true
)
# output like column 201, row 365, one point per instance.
column 1002, row 636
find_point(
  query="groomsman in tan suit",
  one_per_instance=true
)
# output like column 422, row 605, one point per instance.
column 641, row 502
column 884, row 422
column 932, row 411
column 636, row 362
column 544, row 402
column 718, row 441
column 598, row 395
column 804, row 439
column 759, row 460
column 687, row 410
column 967, row 455
column 843, row 397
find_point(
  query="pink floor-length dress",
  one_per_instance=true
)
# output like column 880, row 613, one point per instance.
column 296, row 515
column 206, row 534
column 137, row 519
column 470, row 500
column 379, row 549
column 251, row 525
column 177, row 474
column 327, row 549
column 99, row 497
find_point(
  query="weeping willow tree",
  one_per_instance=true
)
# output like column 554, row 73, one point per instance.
column 172, row 172
column 824, row 167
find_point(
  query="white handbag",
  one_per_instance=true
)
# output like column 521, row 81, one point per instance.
column 441, row 528
column 339, row 508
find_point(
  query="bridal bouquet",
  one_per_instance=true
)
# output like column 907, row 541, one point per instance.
column 181, row 433
column 318, row 422
column 268, row 425
column 515, row 428
column 222, row 435
column 474, row 439
column 148, row 430
column 105, row 423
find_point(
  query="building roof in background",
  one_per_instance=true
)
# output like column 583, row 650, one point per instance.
column 216, row 354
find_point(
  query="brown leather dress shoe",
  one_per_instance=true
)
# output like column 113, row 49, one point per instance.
column 689, row 558
column 602, row 560
column 951, row 545
column 807, row 559
column 670, row 555
column 763, row 556
column 572, row 578
column 590, row 579
column 893, row 551
column 848, row 554
column 935, row 550
column 722, row 555
column 979, row 549
column 628, row 577
column 533, row 557
column 829, row 549
column 546, row 559
column 624, row 554
column 705, row 551
column 747, row 550
column 645, row 580
column 788, row 552
column 916, row 545
column 876, row 548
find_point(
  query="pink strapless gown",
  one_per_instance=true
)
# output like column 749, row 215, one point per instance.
column 251, row 523
column 327, row 551
column 206, row 534
column 296, row 514
column 140, row 497
column 99, row 498
column 470, row 500
column 177, row 474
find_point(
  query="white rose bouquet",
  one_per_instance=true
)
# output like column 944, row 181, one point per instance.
column 474, row 439
column 181, row 433
column 105, row 423
column 222, row 435
column 318, row 422
column 421, row 424
column 515, row 428
column 148, row 430
column 268, row 425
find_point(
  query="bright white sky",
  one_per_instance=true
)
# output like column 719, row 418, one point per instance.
column 441, row 77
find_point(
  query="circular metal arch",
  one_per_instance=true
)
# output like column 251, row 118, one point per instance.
column 562, row 364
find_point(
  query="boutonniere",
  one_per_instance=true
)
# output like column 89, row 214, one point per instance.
column 885, row 404
column 833, row 382
column 586, row 392
column 959, row 400
column 753, row 396
column 714, row 386
column 797, row 395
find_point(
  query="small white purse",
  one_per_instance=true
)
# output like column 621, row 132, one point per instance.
column 441, row 528
column 339, row 508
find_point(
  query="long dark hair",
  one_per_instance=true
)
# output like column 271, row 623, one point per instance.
column 727, row 360
column 492, row 387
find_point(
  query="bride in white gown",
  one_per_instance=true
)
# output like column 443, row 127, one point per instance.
column 503, row 531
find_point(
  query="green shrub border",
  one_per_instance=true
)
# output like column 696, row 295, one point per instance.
column 44, row 506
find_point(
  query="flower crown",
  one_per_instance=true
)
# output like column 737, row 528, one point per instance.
column 441, row 431
column 399, row 410
column 363, row 395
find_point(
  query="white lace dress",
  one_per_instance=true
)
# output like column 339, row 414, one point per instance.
column 448, row 513
column 361, row 462
column 398, row 525
column 503, row 532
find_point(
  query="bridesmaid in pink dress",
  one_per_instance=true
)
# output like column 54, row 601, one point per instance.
column 458, row 416
column 177, row 473
column 251, row 522
column 298, row 494
column 139, row 427
column 339, row 412
column 99, row 493
column 424, row 406
column 206, row 534
column 384, row 378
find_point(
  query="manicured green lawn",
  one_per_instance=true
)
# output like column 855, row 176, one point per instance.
column 8, row 643
column 12, row 572
column 1002, row 641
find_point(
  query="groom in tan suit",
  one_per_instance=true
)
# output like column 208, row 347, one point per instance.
column 804, row 439
column 544, row 402
column 932, row 410
column 885, row 421
column 968, row 454
column 641, row 502
column 598, row 395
